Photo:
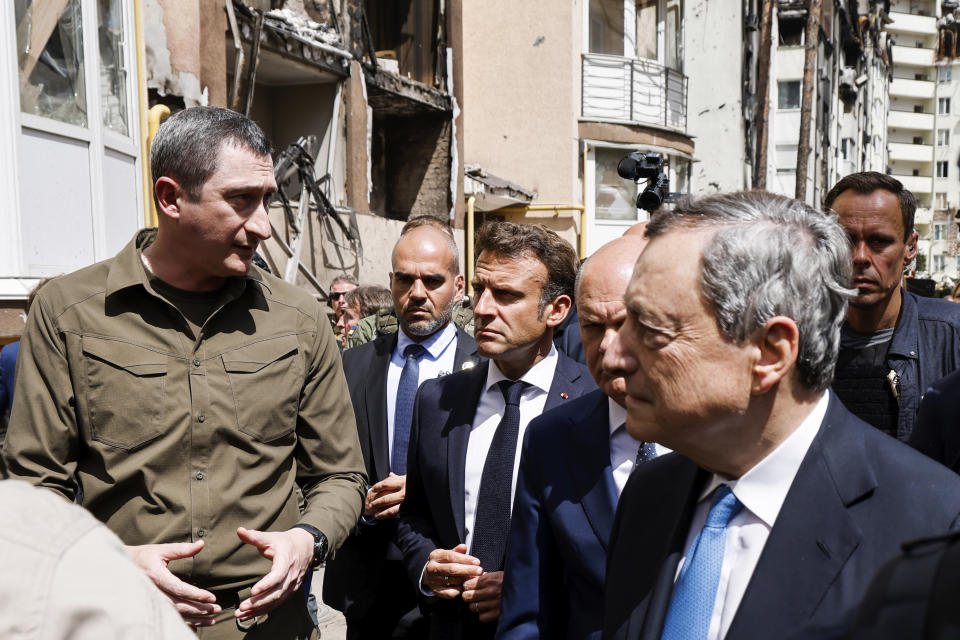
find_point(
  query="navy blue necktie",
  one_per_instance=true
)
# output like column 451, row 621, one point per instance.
column 695, row 593
column 491, row 526
column 646, row 451
column 403, row 409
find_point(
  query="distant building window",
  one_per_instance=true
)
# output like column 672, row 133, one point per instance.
column 918, row 108
column 939, row 262
column 921, row 76
column 941, row 199
column 917, row 139
column 606, row 27
column 916, row 173
column 791, row 31
column 943, row 137
column 788, row 94
column 944, row 74
column 939, row 230
column 942, row 167
column 943, row 106
column 846, row 148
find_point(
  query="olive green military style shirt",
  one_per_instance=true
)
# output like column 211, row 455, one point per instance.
column 170, row 437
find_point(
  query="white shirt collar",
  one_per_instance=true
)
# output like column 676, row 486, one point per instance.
column 618, row 415
column 435, row 344
column 764, row 487
column 539, row 375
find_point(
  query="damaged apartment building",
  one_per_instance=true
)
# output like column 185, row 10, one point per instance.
column 357, row 97
column 849, row 87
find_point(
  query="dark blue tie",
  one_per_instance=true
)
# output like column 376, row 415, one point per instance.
column 491, row 526
column 646, row 451
column 691, row 606
column 403, row 409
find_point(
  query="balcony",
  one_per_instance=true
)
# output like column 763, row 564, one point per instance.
column 908, row 23
column 633, row 91
column 917, row 184
column 909, row 120
column 912, row 56
column 904, row 88
column 910, row 152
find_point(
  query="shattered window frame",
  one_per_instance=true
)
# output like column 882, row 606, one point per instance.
column 52, row 81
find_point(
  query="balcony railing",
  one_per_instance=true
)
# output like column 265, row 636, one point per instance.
column 631, row 90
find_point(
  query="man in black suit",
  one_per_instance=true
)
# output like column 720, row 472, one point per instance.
column 783, row 504
column 468, row 427
column 366, row 580
column 575, row 462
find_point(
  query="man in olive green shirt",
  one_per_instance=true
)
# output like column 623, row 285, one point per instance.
column 180, row 393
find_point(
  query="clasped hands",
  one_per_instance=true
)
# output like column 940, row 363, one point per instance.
column 451, row 573
column 290, row 551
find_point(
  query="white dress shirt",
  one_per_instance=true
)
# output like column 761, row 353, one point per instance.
column 762, row 491
column 485, row 421
column 441, row 351
column 623, row 447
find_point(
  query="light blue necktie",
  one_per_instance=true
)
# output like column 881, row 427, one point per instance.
column 403, row 409
column 691, row 606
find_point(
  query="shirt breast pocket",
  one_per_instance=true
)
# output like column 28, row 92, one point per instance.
column 266, row 380
column 124, row 391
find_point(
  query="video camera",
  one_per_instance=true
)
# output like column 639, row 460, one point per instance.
column 638, row 166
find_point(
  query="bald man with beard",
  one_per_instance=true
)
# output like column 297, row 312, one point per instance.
column 576, row 460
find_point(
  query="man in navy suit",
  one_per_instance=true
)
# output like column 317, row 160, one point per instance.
column 575, row 461
column 783, row 504
column 366, row 580
column 467, row 427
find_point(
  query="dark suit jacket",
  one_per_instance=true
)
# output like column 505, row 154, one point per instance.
column 857, row 495
column 937, row 430
column 432, row 514
column 562, row 516
column 352, row 576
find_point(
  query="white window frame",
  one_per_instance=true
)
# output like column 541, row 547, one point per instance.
column 945, row 166
column 98, row 138
column 943, row 137
column 941, row 102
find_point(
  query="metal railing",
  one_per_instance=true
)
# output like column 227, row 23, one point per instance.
column 633, row 90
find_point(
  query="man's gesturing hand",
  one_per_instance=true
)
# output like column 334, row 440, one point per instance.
column 447, row 569
column 292, row 554
column 196, row 606
column 483, row 595
column 384, row 498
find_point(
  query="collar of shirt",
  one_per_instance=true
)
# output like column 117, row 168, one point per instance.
column 618, row 417
column 539, row 375
column 764, row 487
column 435, row 344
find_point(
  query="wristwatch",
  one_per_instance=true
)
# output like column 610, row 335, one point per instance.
column 319, row 543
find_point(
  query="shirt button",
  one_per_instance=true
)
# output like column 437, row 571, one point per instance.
column 199, row 475
column 201, row 418
column 196, row 362
column 201, row 532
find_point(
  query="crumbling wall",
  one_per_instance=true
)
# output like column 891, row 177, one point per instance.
column 185, row 50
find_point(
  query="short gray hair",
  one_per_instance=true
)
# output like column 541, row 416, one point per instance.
column 771, row 256
column 188, row 143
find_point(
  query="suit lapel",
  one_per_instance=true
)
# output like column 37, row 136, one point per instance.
column 376, row 401
column 566, row 382
column 673, row 506
column 457, row 428
column 813, row 536
column 591, row 451
column 466, row 351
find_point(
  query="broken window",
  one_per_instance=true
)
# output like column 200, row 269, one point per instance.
column 405, row 30
column 788, row 94
column 113, row 71
column 791, row 31
column 50, row 59
column 606, row 27
column 616, row 198
column 647, row 29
